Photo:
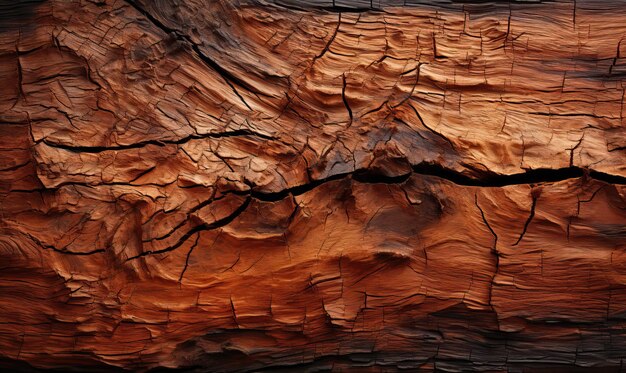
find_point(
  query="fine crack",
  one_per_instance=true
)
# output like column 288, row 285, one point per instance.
column 430, row 129
column 535, row 195
column 63, row 250
column 494, row 251
column 482, row 214
column 330, row 41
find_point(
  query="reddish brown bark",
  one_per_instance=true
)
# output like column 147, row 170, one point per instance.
column 243, row 185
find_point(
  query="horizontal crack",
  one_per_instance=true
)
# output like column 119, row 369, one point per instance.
column 486, row 179
column 365, row 176
column 99, row 149
column 63, row 250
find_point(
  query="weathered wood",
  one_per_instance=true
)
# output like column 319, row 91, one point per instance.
column 344, row 185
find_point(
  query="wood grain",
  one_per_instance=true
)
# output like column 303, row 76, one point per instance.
column 341, row 185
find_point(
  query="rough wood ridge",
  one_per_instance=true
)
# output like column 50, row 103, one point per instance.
column 243, row 185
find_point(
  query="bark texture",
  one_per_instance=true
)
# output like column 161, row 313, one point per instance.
column 312, row 185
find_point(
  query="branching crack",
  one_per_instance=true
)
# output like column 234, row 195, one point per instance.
column 571, row 154
column 199, row 228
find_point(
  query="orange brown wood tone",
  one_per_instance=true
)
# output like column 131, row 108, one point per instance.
column 286, row 185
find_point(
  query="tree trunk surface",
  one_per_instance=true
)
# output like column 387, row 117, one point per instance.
column 265, row 185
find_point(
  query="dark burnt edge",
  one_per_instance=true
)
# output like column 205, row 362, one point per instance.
column 17, row 14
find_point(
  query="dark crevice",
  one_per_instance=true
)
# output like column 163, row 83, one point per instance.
column 607, row 178
column 96, row 251
column 142, row 173
column 296, row 190
column 492, row 179
column 480, row 178
column 20, row 81
column 484, row 179
column 345, row 100
column 191, row 211
column 368, row 177
column 536, row 176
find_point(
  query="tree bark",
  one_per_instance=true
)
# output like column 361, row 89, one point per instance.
column 347, row 185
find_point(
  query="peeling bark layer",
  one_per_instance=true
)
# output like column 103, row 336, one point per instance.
column 322, row 185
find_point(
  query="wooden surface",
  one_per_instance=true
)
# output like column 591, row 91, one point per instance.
column 313, row 185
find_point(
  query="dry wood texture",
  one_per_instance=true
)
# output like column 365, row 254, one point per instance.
column 291, row 185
